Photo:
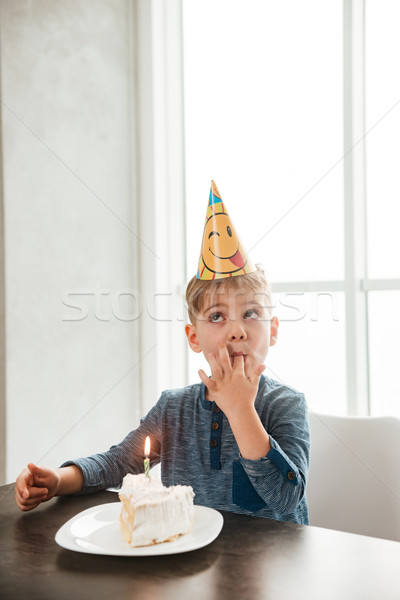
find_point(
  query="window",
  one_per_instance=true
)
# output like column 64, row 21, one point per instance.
column 382, row 101
column 276, row 112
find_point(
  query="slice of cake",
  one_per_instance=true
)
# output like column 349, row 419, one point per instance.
column 152, row 513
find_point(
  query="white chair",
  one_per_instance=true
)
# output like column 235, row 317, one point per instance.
column 354, row 479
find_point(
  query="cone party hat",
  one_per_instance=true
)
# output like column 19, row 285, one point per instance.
column 222, row 254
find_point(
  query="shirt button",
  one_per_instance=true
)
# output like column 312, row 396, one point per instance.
column 213, row 443
column 216, row 409
column 291, row 476
column 214, row 425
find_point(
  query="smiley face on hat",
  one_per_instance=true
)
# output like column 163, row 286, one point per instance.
column 221, row 254
column 221, row 247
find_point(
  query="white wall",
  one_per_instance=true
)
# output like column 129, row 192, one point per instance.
column 69, row 209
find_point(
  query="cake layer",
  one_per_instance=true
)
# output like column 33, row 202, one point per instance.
column 152, row 513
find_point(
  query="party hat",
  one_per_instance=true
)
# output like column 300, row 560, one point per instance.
column 222, row 254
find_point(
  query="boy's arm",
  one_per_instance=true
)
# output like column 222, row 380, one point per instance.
column 38, row 484
column 70, row 480
column 235, row 395
column 249, row 432
column 97, row 472
column 277, row 474
column 280, row 478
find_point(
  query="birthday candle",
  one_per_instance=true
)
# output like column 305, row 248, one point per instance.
column 147, row 460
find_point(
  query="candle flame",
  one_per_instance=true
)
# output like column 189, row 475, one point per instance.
column 147, row 446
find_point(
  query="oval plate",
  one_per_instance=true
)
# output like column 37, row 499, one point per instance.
column 97, row 531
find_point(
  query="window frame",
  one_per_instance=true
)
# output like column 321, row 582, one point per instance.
column 162, row 37
column 356, row 284
column 160, row 183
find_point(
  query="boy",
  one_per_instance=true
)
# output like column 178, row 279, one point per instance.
column 238, row 438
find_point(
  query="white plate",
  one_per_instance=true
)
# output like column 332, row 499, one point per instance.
column 97, row 531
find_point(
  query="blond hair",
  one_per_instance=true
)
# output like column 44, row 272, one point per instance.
column 197, row 290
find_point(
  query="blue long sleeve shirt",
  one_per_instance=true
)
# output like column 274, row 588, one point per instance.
column 192, row 439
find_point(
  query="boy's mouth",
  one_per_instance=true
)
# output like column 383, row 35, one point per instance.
column 233, row 355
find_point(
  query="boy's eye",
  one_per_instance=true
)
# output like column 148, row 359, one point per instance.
column 251, row 314
column 215, row 317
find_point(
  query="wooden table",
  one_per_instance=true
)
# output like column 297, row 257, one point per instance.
column 252, row 558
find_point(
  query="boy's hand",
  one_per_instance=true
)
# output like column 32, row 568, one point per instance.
column 228, row 386
column 34, row 486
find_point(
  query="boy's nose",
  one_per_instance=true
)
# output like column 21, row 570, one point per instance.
column 236, row 332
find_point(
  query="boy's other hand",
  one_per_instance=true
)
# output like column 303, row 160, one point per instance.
column 35, row 485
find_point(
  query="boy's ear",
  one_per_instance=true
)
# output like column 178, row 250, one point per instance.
column 274, row 331
column 191, row 335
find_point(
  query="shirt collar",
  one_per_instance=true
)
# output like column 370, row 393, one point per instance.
column 207, row 404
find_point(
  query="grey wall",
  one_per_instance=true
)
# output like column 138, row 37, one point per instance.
column 2, row 331
column 68, row 163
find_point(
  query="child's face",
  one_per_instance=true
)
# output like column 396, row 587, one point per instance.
column 241, row 319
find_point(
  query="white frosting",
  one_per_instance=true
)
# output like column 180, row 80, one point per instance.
column 152, row 513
